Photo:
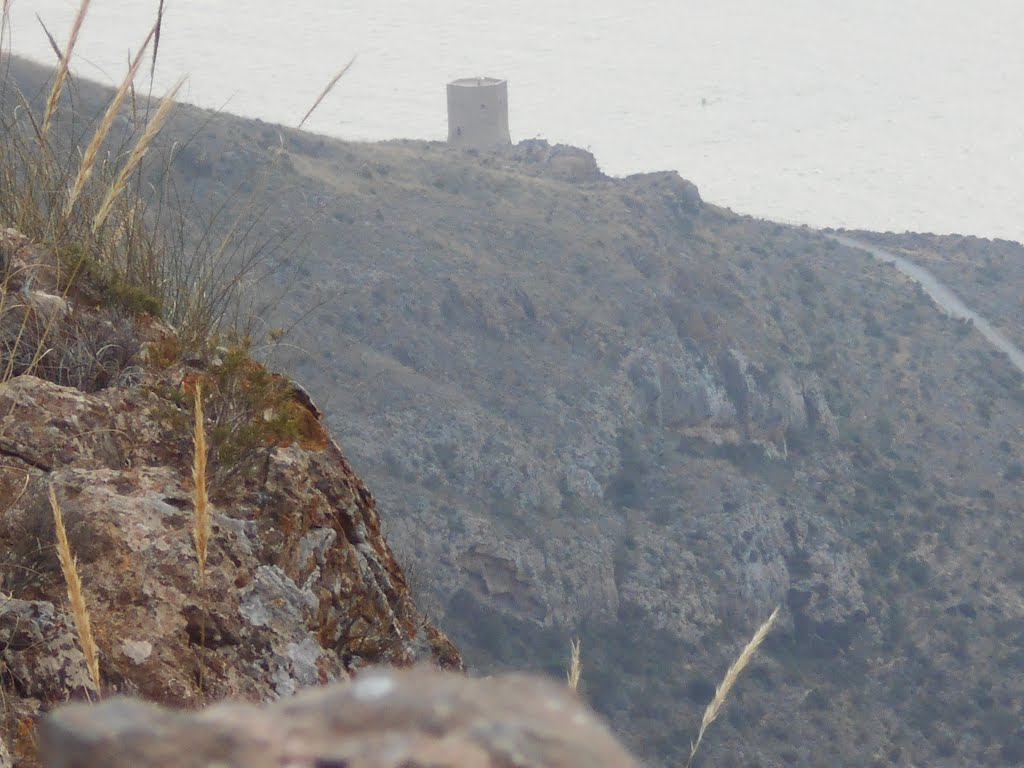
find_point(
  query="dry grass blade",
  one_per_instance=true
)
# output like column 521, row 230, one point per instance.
column 61, row 76
column 91, row 151
column 53, row 43
column 69, row 568
column 156, row 39
column 5, row 18
column 732, row 674
column 131, row 91
column 138, row 151
column 201, row 527
column 575, row 665
column 325, row 91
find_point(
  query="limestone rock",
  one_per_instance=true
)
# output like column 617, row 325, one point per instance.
column 825, row 598
column 562, row 162
column 40, row 649
column 300, row 584
column 818, row 411
column 678, row 194
column 678, row 388
column 768, row 401
column 382, row 719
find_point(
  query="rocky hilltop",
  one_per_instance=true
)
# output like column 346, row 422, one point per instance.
column 607, row 408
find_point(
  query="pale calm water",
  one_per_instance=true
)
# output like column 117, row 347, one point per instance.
column 883, row 114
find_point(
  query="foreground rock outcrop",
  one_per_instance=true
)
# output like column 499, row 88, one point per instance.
column 300, row 586
column 383, row 719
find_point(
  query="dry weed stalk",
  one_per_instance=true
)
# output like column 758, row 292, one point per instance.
column 138, row 151
column 61, row 76
column 156, row 39
column 201, row 528
column 93, row 149
column 732, row 674
column 575, row 665
column 52, row 40
column 325, row 91
column 69, row 568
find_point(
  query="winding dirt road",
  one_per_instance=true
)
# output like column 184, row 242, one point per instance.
column 942, row 295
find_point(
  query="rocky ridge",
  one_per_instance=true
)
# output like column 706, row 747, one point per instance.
column 606, row 408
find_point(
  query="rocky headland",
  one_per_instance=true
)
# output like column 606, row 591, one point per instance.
column 606, row 408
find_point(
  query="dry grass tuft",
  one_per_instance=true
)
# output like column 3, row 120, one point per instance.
column 69, row 568
column 575, row 665
column 732, row 674
column 201, row 528
column 101, row 193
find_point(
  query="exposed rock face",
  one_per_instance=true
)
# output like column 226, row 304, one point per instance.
column 560, row 161
column 685, row 389
column 297, row 563
column 40, row 650
column 382, row 719
column 300, row 585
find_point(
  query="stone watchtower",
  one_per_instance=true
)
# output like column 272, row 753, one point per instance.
column 478, row 112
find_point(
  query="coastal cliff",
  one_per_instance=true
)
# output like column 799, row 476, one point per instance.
column 610, row 409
